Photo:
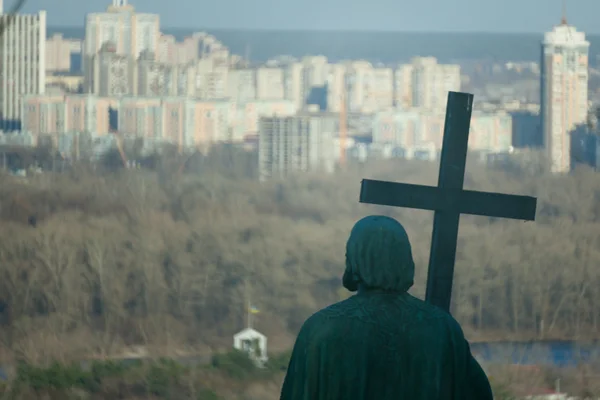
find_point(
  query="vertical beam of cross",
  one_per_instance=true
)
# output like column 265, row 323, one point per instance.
column 453, row 162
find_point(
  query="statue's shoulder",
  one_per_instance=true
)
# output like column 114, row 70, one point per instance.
column 429, row 311
column 329, row 315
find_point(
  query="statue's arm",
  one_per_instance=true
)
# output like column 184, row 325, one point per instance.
column 479, row 384
column 295, row 382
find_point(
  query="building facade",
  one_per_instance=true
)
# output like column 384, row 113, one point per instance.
column 22, row 65
column 564, row 91
column 414, row 130
column 296, row 144
column 58, row 53
column 63, row 114
column 129, row 32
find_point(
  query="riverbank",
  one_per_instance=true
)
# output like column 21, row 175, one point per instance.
column 227, row 376
column 232, row 376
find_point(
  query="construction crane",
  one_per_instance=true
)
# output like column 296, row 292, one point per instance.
column 343, row 128
column 119, row 143
column 180, row 142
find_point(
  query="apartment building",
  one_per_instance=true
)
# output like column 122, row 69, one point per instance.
column 337, row 86
column 113, row 74
column 408, row 129
column 564, row 91
column 241, row 85
column 270, row 84
column 129, row 32
column 180, row 120
column 248, row 115
column 211, row 79
column 294, row 84
column 491, row 132
column 431, row 83
column 415, row 129
column 58, row 53
column 296, row 144
column 62, row 114
column 380, row 91
column 22, row 65
column 425, row 84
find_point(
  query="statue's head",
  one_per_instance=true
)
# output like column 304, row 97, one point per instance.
column 379, row 256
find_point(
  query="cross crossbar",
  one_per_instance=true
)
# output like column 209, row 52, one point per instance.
column 455, row 200
column 448, row 199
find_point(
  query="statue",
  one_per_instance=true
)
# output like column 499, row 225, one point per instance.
column 382, row 343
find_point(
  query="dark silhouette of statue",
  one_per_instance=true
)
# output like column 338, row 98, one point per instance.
column 382, row 343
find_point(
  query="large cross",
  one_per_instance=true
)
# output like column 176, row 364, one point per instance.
column 448, row 199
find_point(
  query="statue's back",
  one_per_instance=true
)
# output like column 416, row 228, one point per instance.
column 378, row 345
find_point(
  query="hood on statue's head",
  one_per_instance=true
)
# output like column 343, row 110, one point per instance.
column 379, row 256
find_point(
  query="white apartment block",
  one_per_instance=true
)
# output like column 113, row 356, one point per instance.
column 241, row 85
column 155, row 79
column 119, row 75
column 270, row 83
column 316, row 70
column 403, row 86
column 22, row 65
column 248, row 115
column 564, row 91
column 112, row 74
column 176, row 119
column 315, row 73
column 296, row 144
column 417, row 129
column 64, row 114
column 407, row 129
column 130, row 32
column 380, row 92
column 59, row 51
column 431, row 82
column 179, row 120
column 211, row 79
column 293, row 80
column 358, row 74
column 491, row 132
column 337, row 88
column 191, row 49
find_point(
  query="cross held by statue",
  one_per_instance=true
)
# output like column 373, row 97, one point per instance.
column 448, row 200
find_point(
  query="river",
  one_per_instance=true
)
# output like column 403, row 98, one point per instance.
column 551, row 353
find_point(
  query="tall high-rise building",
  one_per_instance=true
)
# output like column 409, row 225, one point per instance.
column 564, row 91
column 22, row 65
column 130, row 32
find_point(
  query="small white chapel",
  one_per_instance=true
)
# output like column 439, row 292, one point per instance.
column 252, row 342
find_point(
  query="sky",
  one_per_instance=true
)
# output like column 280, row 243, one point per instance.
column 513, row 16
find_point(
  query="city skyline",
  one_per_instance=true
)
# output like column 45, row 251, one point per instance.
column 508, row 16
column 195, row 92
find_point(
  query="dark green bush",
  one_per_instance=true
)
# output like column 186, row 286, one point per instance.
column 279, row 362
column 207, row 394
column 235, row 364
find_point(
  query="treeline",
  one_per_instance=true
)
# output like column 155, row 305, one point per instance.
column 96, row 262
